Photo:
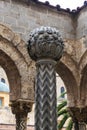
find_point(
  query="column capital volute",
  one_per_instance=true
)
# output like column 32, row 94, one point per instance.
column 45, row 43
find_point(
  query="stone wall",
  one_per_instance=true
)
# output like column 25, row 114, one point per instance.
column 81, row 30
column 23, row 17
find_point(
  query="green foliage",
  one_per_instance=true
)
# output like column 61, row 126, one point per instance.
column 63, row 113
column 60, row 106
column 62, row 122
column 62, row 94
column 70, row 125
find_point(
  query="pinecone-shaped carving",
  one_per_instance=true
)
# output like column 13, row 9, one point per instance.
column 45, row 42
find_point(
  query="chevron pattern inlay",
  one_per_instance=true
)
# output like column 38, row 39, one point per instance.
column 21, row 122
column 45, row 90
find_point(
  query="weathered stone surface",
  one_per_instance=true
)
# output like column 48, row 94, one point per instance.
column 12, row 59
column 79, row 114
column 21, row 17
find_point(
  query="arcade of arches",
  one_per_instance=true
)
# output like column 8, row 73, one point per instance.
column 20, row 68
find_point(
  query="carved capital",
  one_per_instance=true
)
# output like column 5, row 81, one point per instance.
column 78, row 114
column 21, row 107
column 45, row 42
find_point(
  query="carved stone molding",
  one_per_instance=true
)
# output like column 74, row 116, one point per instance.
column 45, row 42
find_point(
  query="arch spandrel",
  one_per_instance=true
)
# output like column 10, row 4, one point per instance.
column 18, row 64
column 16, row 41
column 71, row 65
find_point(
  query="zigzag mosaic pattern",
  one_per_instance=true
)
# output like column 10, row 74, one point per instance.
column 21, row 124
column 45, row 109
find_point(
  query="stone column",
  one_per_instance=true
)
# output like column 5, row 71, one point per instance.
column 45, row 47
column 82, row 126
column 79, row 116
column 21, row 109
column 45, row 96
column 79, row 126
column 76, row 125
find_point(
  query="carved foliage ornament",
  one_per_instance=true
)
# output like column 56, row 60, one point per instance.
column 21, row 107
column 45, row 42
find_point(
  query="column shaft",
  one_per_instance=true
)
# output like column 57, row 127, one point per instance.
column 21, row 121
column 76, row 125
column 45, row 96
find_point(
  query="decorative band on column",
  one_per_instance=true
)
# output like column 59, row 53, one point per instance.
column 46, row 61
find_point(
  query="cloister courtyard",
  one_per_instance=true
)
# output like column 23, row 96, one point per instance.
column 39, row 42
